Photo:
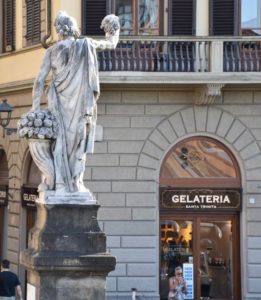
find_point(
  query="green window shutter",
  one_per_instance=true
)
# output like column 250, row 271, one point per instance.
column 93, row 11
column 33, row 22
column 181, row 17
column 223, row 17
column 9, row 25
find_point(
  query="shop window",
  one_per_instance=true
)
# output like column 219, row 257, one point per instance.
column 29, row 192
column 7, row 34
column 33, row 22
column 203, row 161
column 205, row 249
column 200, row 202
column 251, row 17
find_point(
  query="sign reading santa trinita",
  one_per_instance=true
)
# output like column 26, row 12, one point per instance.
column 205, row 199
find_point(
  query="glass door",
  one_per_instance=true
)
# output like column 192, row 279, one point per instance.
column 216, row 250
column 176, row 251
column 207, row 251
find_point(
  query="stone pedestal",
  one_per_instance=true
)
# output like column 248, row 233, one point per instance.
column 66, row 257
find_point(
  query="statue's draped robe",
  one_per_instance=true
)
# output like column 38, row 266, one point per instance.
column 72, row 96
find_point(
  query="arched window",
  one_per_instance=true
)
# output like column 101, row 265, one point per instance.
column 202, row 162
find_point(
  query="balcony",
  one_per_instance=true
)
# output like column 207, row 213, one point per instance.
column 206, row 64
column 183, row 54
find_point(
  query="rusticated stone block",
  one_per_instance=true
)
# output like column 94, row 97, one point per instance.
column 66, row 257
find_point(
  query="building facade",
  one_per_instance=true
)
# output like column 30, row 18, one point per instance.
column 177, row 163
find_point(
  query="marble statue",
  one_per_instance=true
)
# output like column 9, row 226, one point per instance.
column 61, row 135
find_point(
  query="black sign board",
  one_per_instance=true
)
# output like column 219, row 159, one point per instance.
column 3, row 195
column 29, row 195
column 201, row 199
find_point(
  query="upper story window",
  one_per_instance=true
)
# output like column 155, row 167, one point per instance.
column 138, row 17
column 141, row 17
column 223, row 17
column 7, row 34
column 174, row 17
column 33, row 22
column 251, row 17
column 181, row 17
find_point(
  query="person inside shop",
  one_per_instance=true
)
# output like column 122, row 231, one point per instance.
column 177, row 286
column 182, row 242
column 9, row 283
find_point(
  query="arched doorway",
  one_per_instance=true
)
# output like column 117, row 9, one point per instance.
column 200, row 203
column 29, row 193
column 3, row 196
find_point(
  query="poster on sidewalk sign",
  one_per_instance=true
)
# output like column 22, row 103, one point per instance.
column 188, row 275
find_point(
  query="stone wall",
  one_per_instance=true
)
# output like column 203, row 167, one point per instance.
column 140, row 125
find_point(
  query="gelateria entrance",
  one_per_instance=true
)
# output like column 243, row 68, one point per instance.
column 200, row 204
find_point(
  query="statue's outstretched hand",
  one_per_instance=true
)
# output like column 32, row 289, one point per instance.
column 111, row 25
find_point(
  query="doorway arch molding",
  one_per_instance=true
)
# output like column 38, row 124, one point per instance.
column 201, row 121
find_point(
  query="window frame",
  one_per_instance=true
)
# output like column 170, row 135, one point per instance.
column 135, row 9
column 240, row 21
column 7, row 35
column 202, row 182
column 236, row 16
column 43, row 10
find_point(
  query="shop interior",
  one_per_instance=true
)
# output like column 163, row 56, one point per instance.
column 213, row 252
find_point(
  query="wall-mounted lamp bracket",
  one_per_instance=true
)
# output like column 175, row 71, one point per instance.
column 5, row 117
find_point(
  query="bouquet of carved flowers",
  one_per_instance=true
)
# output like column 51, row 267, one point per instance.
column 110, row 24
column 41, row 128
column 38, row 125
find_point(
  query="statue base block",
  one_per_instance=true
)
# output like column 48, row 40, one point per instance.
column 66, row 257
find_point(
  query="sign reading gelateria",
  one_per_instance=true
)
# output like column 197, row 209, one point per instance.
column 29, row 195
column 229, row 199
column 3, row 195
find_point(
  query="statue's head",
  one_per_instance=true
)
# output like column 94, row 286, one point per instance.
column 66, row 26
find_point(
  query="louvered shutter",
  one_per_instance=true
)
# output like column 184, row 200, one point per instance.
column 92, row 14
column 33, row 21
column 223, row 17
column 9, row 25
column 181, row 17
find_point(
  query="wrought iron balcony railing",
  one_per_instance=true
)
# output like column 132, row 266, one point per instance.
column 168, row 54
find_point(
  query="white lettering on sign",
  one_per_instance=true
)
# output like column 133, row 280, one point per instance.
column 30, row 197
column 201, row 199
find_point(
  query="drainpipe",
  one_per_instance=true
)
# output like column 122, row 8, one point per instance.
column 49, row 25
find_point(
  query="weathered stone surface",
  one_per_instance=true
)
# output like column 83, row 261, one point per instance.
column 66, row 257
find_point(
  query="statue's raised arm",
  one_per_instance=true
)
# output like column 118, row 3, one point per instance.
column 72, row 110
column 111, row 27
